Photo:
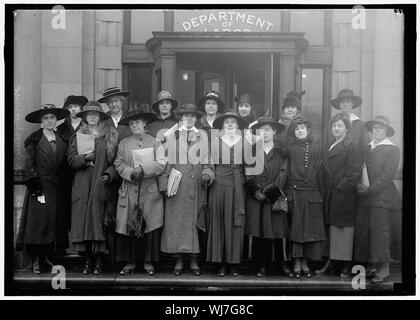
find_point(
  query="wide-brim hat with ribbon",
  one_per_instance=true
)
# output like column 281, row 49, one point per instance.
column 164, row 95
column 188, row 108
column 211, row 95
column 230, row 113
column 141, row 112
column 79, row 100
column 93, row 106
column 110, row 92
column 269, row 121
column 346, row 94
column 383, row 121
column 35, row 116
column 294, row 99
column 295, row 122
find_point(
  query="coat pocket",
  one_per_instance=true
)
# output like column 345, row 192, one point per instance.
column 122, row 196
column 315, row 204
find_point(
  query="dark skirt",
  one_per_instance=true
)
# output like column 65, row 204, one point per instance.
column 147, row 249
column 372, row 235
column 309, row 250
column 90, row 246
column 225, row 240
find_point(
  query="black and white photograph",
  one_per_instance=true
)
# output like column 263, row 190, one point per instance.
column 210, row 149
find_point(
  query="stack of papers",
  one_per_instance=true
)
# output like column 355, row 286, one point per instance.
column 173, row 182
column 85, row 143
column 365, row 178
column 142, row 156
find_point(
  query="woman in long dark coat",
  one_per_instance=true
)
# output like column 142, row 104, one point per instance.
column 140, row 205
column 66, row 130
column 304, row 191
column 180, row 234
column 263, row 190
column 44, row 163
column 378, row 199
column 342, row 168
column 226, row 220
column 91, row 194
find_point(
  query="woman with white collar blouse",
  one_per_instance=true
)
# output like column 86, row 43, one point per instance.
column 378, row 199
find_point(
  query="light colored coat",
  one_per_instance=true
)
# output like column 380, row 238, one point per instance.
column 151, row 201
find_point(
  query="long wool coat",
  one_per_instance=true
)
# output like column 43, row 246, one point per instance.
column 90, row 196
column 304, row 192
column 180, row 229
column 160, row 124
column 342, row 169
column 260, row 220
column 151, row 201
column 43, row 173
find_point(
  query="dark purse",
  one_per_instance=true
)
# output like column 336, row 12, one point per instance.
column 281, row 204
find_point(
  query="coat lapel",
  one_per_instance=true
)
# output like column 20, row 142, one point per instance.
column 46, row 150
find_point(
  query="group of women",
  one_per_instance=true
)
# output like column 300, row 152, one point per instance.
column 306, row 204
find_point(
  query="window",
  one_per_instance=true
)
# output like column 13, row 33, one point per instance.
column 143, row 22
column 312, row 100
column 140, row 84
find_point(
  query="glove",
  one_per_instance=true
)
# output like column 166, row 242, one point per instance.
column 106, row 178
column 90, row 156
column 362, row 189
column 137, row 174
column 205, row 179
column 259, row 196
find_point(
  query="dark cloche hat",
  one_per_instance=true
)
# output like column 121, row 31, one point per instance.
column 95, row 107
column 230, row 113
column 380, row 120
column 80, row 100
column 346, row 94
column 141, row 112
column 293, row 98
column 270, row 121
column 110, row 92
column 35, row 116
column 164, row 95
column 212, row 95
column 188, row 108
column 295, row 122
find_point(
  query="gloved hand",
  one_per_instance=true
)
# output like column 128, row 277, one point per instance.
column 137, row 174
column 205, row 179
column 362, row 189
column 90, row 156
column 106, row 178
column 260, row 196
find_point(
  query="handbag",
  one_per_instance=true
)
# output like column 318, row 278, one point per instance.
column 281, row 204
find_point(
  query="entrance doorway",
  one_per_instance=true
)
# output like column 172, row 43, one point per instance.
column 230, row 74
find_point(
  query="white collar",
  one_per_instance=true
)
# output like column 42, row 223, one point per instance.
column 116, row 120
column 385, row 142
column 183, row 128
column 353, row 117
column 336, row 142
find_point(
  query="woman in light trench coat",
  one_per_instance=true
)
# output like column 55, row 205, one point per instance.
column 140, row 205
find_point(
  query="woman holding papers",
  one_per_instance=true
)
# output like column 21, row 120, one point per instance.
column 378, row 199
column 304, row 189
column 45, row 158
column 91, row 154
column 342, row 167
column 226, row 221
column 140, row 160
column 262, row 223
column 182, row 207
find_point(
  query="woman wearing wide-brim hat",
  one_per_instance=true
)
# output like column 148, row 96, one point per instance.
column 212, row 106
column 138, row 237
column 226, row 220
column 378, row 199
column 180, row 234
column 263, row 190
column 92, row 197
column 346, row 101
column 44, row 163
